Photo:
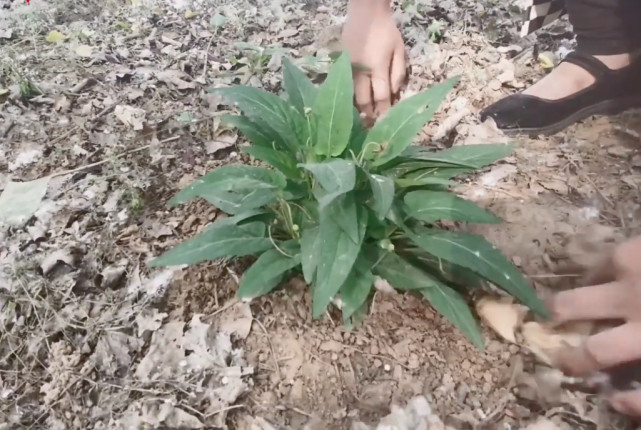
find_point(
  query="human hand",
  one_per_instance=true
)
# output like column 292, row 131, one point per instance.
column 617, row 296
column 376, row 49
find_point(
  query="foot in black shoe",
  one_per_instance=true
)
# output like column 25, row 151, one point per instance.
column 612, row 92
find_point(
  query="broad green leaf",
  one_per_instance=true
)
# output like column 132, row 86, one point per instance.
column 423, row 180
column 404, row 276
column 343, row 211
column 359, row 133
column 300, row 90
column 357, row 286
column 310, row 248
column 275, row 158
column 475, row 156
column 236, row 178
column 237, row 203
column 338, row 253
column 409, row 166
column 448, row 272
column 431, row 206
column 256, row 134
column 396, row 130
column 477, row 254
column 336, row 177
column 332, row 111
column 383, row 193
column 438, row 172
column 357, row 317
column 449, row 303
column 295, row 190
column 268, row 111
column 266, row 273
column 400, row 273
column 221, row 239
column 247, row 217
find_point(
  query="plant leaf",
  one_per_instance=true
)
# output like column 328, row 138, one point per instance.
column 396, row 130
column 359, row 133
column 332, row 111
column 221, row 239
column 357, row 286
column 343, row 211
column 310, row 248
column 424, row 180
column 477, row 254
column 268, row 111
column 336, row 177
column 400, row 273
column 449, row 303
column 338, row 253
column 300, row 90
column 431, row 206
column 256, row 134
column 383, row 192
column 275, row 158
column 233, row 178
column 266, row 273
column 236, row 203
column 405, row 276
column 475, row 156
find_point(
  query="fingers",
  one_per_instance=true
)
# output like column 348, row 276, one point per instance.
column 602, row 350
column 605, row 301
column 627, row 402
column 363, row 93
column 382, row 95
column 397, row 71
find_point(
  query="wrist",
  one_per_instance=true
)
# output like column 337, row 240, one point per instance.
column 358, row 8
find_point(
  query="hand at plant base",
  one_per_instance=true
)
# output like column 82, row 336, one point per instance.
column 376, row 48
column 617, row 297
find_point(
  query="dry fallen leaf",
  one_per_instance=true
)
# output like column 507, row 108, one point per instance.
column 189, row 14
column 20, row 200
column 84, row 51
column 546, row 60
column 502, row 316
column 131, row 116
column 545, row 342
column 55, row 36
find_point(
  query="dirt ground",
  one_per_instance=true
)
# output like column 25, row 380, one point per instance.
column 107, row 101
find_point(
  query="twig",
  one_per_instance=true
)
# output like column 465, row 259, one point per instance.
column 98, row 163
column 228, row 408
column 271, row 346
column 315, row 356
column 224, row 308
column 207, row 58
column 603, row 196
column 75, row 128
column 298, row 411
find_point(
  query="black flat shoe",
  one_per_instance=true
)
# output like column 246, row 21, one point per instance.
column 613, row 92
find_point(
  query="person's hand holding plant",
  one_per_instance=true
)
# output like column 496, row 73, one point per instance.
column 377, row 52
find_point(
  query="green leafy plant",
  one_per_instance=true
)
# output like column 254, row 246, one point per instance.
column 342, row 204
